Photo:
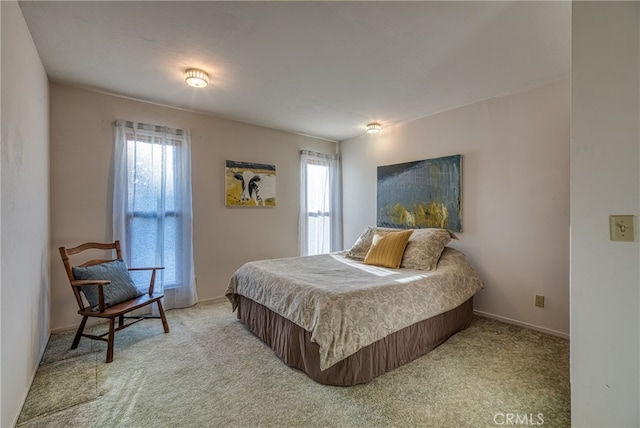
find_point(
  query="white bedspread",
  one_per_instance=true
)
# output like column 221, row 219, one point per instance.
column 347, row 305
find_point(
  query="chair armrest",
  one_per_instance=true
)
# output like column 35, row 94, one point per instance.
column 152, row 281
column 81, row 282
column 100, row 283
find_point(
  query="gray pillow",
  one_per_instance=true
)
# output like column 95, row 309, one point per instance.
column 121, row 288
column 359, row 250
column 425, row 247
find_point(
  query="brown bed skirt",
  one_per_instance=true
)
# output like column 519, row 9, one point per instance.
column 293, row 344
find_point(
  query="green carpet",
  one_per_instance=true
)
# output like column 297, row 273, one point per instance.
column 211, row 372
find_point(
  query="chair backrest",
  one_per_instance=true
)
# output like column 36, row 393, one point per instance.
column 66, row 252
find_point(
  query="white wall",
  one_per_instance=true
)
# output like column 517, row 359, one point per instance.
column 1, row 145
column 25, row 212
column 605, row 180
column 224, row 238
column 515, row 162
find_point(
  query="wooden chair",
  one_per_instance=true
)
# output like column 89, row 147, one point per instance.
column 111, row 313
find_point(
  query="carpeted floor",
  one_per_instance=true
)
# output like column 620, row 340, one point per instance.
column 211, row 372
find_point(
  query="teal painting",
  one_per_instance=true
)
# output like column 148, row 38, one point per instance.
column 421, row 194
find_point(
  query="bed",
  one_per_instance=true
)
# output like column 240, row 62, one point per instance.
column 343, row 321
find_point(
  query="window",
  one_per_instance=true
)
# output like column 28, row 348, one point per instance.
column 318, row 208
column 152, row 204
column 320, row 212
column 152, row 217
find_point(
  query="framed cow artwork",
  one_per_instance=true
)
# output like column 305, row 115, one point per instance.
column 250, row 184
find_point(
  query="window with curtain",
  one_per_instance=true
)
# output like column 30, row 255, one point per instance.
column 320, row 226
column 152, row 214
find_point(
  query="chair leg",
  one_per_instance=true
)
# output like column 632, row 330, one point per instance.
column 112, row 332
column 163, row 317
column 120, row 320
column 76, row 340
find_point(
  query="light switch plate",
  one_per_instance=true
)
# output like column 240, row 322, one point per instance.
column 622, row 228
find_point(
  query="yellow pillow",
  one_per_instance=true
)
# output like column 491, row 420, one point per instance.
column 387, row 248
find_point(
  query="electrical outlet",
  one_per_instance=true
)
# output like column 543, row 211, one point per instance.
column 539, row 302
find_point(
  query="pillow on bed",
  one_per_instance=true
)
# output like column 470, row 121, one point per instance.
column 425, row 247
column 359, row 250
column 419, row 239
column 387, row 248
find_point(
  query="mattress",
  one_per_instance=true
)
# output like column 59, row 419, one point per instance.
column 343, row 322
column 346, row 305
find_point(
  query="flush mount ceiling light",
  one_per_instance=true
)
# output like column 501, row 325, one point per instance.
column 373, row 128
column 196, row 78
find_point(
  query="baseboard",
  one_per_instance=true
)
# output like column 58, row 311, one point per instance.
column 95, row 321
column 213, row 299
column 522, row 324
column 90, row 322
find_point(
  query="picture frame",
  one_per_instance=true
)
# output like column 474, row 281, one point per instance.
column 249, row 184
column 421, row 194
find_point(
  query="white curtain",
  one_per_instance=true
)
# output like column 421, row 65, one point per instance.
column 320, row 228
column 152, row 210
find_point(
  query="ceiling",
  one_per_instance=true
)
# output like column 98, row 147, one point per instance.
column 323, row 69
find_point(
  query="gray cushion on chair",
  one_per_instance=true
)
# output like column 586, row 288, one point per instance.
column 121, row 288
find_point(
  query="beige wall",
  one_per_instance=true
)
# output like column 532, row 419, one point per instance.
column 24, row 254
column 224, row 238
column 605, row 180
column 515, row 194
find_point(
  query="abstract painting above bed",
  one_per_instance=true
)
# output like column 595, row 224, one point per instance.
column 421, row 194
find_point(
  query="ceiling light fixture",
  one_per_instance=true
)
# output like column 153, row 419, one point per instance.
column 373, row 128
column 196, row 78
